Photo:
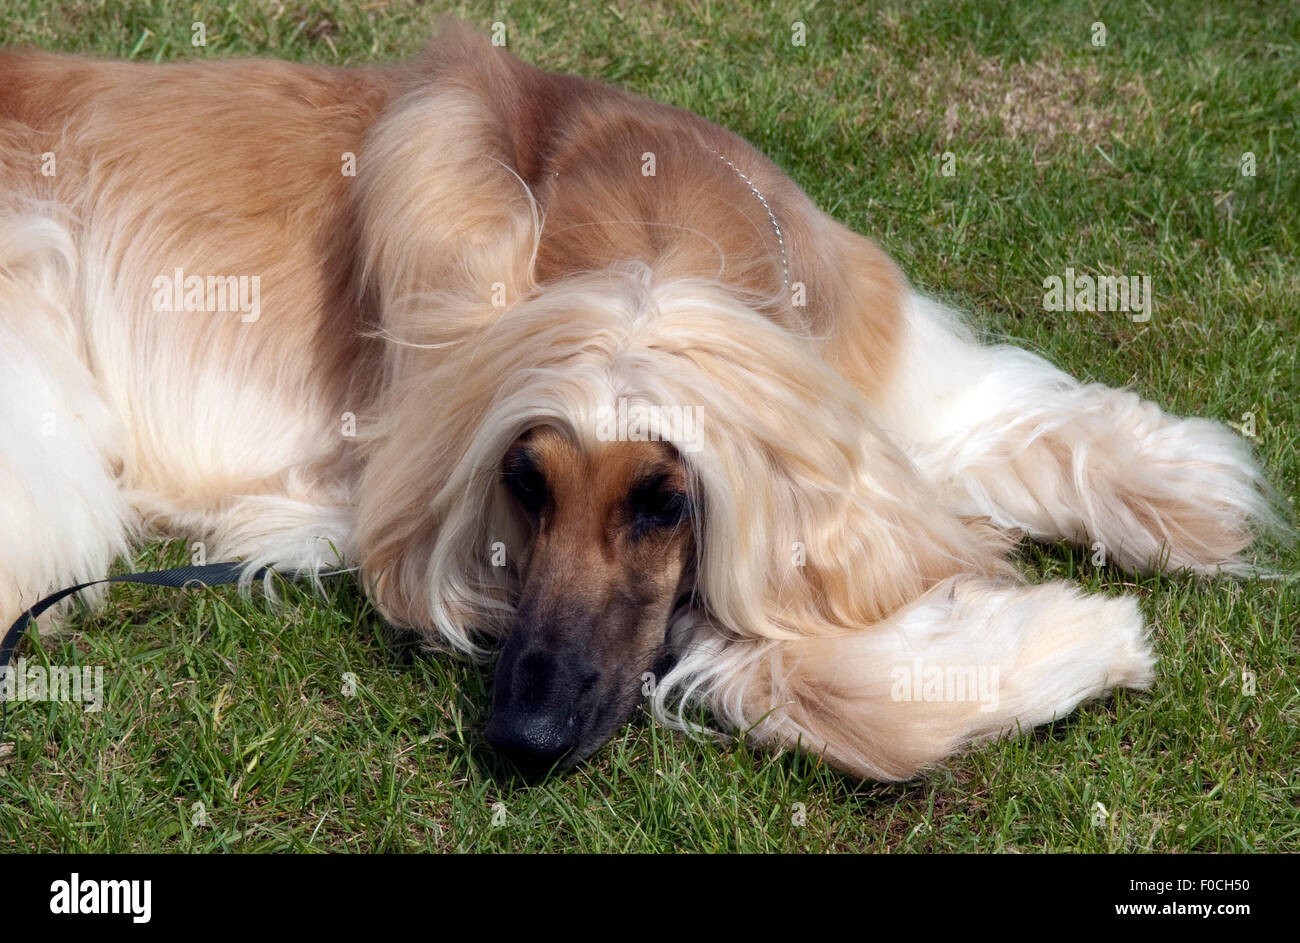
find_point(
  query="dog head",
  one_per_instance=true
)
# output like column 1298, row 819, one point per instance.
column 606, row 560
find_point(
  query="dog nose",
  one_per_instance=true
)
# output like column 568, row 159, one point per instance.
column 533, row 743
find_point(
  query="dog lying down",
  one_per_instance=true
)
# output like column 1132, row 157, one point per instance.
column 568, row 371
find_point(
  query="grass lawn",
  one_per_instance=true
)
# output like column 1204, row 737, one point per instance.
column 1125, row 158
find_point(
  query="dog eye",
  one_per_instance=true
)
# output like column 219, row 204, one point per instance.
column 525, row 481
column 654, row 506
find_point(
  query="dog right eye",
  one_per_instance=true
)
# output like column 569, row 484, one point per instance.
column 525, row 481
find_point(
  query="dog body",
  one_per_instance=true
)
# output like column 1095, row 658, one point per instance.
column 401, row 316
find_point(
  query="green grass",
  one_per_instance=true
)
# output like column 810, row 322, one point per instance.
column 1122, row 159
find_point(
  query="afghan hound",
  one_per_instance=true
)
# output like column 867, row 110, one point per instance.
column 568, row 373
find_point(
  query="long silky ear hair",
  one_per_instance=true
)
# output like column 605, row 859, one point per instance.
column 815, row 524
column 450, row 236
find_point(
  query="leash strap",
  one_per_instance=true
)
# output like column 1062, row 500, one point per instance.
column 212, row 574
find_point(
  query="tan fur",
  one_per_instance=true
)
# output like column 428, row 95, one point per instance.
column 155, row 170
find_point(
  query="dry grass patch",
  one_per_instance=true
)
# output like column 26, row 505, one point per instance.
column 1046, row 105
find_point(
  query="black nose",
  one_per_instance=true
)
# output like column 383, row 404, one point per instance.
column 534, row 743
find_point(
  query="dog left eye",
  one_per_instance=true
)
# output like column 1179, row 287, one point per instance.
column 525, row 482
column 657, row 507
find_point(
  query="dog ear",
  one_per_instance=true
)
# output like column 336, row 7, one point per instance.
column 819, row 525
column 430, row 520
column 449, row 242
column 815, row 523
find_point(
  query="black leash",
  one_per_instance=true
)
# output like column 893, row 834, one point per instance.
column 212, row 574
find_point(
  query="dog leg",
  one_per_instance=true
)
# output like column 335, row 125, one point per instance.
column 63, row 518
column 972, row 659
column 301, row 532
column 1004, row 434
